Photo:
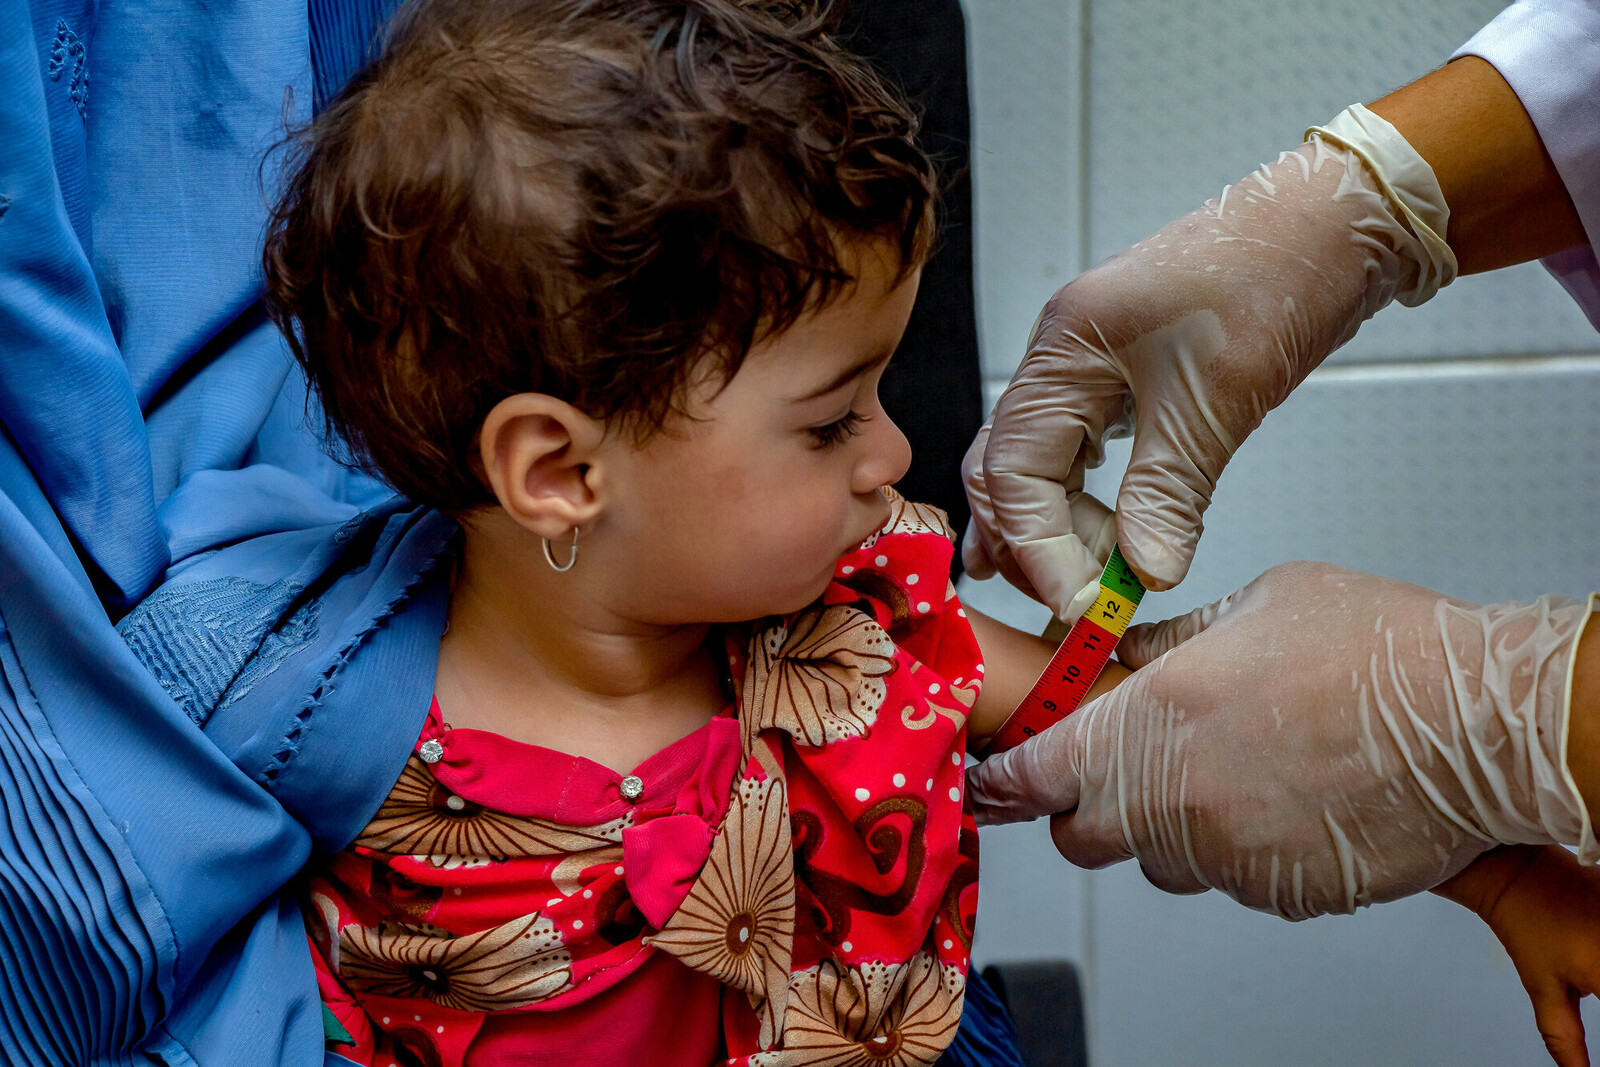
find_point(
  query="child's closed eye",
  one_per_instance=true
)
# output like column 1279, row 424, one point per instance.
column 832, row 434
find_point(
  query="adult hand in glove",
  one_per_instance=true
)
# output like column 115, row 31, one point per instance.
column 1188, row 339
column 1319, row 741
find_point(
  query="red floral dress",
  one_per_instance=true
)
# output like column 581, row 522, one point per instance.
column 794, row 883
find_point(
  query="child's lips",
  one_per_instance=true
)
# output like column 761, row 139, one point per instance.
column 878, row 524
column 885, row 516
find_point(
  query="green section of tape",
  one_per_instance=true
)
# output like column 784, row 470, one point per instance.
column 1119, row 578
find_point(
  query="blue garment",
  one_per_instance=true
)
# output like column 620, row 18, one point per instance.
column 149, row 415
column 986, row 1036
column 163, row 784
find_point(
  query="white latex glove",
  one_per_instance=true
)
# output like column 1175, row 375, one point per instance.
column 1319, row 741
column 1188, row 339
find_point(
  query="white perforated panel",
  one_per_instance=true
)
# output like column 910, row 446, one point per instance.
column 1202, row 982
column 1480, row 480
column 1025, row 164
column 1186, row 96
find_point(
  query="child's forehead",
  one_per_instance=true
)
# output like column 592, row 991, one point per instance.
column 859, row 326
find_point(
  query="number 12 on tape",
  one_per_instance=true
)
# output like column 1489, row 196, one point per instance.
column 1079, row 660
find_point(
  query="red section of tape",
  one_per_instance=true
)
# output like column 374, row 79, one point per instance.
column 1062, row 686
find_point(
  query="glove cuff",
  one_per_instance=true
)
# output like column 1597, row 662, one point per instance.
column 1588, row 850
column 1409, row 185
column 1509, row 671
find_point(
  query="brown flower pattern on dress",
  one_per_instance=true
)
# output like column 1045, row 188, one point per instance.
column 831, row 862
column 508, row 966
column 818, row 676
column 737, row 923
column 907, row 516
column 420, row 817
column 874, row 1015
column 567, row 875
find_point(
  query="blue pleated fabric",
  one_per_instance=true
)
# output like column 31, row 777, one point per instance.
column 150, row 418
column 344, row 37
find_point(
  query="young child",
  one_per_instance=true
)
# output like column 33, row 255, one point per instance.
column 612, row 285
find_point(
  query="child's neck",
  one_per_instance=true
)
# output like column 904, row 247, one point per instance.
column 535, row 656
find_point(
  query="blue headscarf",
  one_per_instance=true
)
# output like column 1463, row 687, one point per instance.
column 150, row 417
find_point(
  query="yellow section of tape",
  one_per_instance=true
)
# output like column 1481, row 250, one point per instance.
column 1111, row 611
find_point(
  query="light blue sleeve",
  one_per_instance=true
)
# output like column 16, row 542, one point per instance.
column 149, row 414
column 1548, row 51
column 140, row 918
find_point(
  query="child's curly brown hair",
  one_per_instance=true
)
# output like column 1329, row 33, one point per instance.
column 585, row 198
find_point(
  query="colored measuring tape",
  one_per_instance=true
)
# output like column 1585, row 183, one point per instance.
column 1079, row 660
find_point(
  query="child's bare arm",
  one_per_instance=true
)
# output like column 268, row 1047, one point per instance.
column 1013, row 661
column 1545, row 908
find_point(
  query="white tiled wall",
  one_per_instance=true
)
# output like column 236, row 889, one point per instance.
column 1027, row 129
column 1083, row 143
column 1455, row 445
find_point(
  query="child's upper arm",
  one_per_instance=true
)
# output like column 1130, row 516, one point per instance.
column 1013, row 661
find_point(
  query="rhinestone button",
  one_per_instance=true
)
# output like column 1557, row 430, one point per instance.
column 632, row 788
column 431, row 751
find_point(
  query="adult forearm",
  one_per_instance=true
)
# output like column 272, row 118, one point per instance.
column 1507, row 202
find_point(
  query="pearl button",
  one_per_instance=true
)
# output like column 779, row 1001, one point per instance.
column 632, row 788
column 431, row 751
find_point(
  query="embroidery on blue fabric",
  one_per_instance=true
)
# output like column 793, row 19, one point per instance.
column 209, row 643
column 330, row 674
column 298, row 632
column 356, row 540
column 68, row 45
column 5, row 204
column 347, row 533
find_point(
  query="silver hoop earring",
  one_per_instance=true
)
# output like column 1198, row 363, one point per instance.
column 550, row 557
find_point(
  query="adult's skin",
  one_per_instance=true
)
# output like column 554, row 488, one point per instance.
column 1507, row 206
column 1507, row 202
column 1388, row 770
column 1413, row 733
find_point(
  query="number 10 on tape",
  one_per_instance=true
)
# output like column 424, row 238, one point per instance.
column 1079, row 660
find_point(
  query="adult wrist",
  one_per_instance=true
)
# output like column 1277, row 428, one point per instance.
column 1510, row 670
column 1411, row 189
column 1508, row 203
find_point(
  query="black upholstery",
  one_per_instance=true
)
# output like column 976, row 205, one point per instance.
column 934, row 389
column 1046, row 1004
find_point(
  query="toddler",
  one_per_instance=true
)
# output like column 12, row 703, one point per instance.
column 611, row 285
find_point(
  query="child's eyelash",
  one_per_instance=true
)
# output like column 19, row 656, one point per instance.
column 835, row 432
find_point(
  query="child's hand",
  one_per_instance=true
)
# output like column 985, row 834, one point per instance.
column 1545, row 908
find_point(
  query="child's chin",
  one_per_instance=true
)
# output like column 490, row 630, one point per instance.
column 799, row 600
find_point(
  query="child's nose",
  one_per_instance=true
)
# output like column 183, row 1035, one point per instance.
column 886, row 458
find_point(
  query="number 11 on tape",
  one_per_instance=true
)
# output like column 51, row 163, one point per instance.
column 1079, row 660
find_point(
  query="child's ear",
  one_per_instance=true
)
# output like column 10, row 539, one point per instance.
column 538, row 457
